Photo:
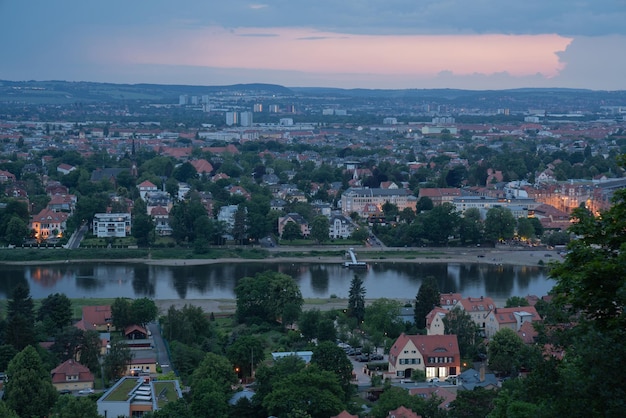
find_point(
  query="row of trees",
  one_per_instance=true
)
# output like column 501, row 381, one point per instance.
column 442, row 225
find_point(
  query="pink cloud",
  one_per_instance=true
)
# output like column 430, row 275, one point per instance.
column 311, row 51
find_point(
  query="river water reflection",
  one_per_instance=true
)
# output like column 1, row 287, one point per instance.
column 217, row 281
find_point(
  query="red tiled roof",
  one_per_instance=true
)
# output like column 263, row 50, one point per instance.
column 71, row 368
column 202, row 166
column 403, row 412
column 99, row 315
column 426, row 344
column 146, row 184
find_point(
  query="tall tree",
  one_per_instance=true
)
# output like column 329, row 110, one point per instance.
column 121, row 313
column 29, row 391
column 55, row 311
column 90, row 350
column 75, row 407
column 442, row 221
column 20, row 330
column 291, row 231
column 427, row 298
column 460, row 323
column 266, row 296
column 382, row 315
column 117, row 360
column 320, row 228
column 499, row 224
column 471, row 227
column 245, row 353
column 356, row 299
column 330, row 357
column 143, row 311
column 506, row 350
column 315, row 391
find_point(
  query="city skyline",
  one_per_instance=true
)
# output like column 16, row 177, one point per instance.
column 402, row 44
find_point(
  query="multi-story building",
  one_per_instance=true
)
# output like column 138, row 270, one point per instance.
column 134, row 396
column 111, row 225
column 357, row 199
column 49, row 224
column 478, row 309
column 340, row 226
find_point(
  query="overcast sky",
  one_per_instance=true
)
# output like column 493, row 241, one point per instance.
column 469, row 44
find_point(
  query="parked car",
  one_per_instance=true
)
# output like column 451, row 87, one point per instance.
column 65, row 392
column 433, row 380
column 362, row 358
column 376, row 356
column 85, row 391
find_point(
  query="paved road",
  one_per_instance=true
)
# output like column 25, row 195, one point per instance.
column 77, row 237
column 159, row 347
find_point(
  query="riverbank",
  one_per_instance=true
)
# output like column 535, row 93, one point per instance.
column 334, row 255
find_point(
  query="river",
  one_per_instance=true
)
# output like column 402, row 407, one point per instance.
column 217, row 281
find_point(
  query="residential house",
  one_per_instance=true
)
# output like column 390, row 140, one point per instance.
column 62, row 202
column 108, row 174
column 477, row 308
column 340, row 226
column 448, row 300
column 97, row 318
column 146, row 187
column 278, row 204
column 435, row 355
column 238, row 191
column 434, row 321
column 49, row 224
column 345, row 414
column 65, row 168
column 133, row 396
column 446, row 396
column 161, row 218
column 143, row 362
column 471, row 379
column 112, row 225
column 202, row 166
column 402, row 412
column 71, row 375
column 226, row 216
column 293, row 217
column 512, row 318
column 6, row 177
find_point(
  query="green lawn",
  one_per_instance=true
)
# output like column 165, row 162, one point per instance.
column 121, row 392
column 170, row 394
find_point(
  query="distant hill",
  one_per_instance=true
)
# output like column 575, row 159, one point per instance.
column 53, row 92
column 72, row 92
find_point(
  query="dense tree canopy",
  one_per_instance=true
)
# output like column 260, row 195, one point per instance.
column 29, row 390
column 266, row 295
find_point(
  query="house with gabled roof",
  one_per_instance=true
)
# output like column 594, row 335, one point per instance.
column 435, row 355
column 477, row 308
column 402, row 412
column 49, row 224
column 512, row 318
column 446, row 396
column 448, row 300
column 146, row 187
column 293, row 217
column 96, row 318
column 6, row 177
column 71, row 375
column 434, row 321
column 202, row 166
column 65, row 168
column 345, row 414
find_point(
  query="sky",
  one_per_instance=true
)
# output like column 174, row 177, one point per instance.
column 379, row 44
